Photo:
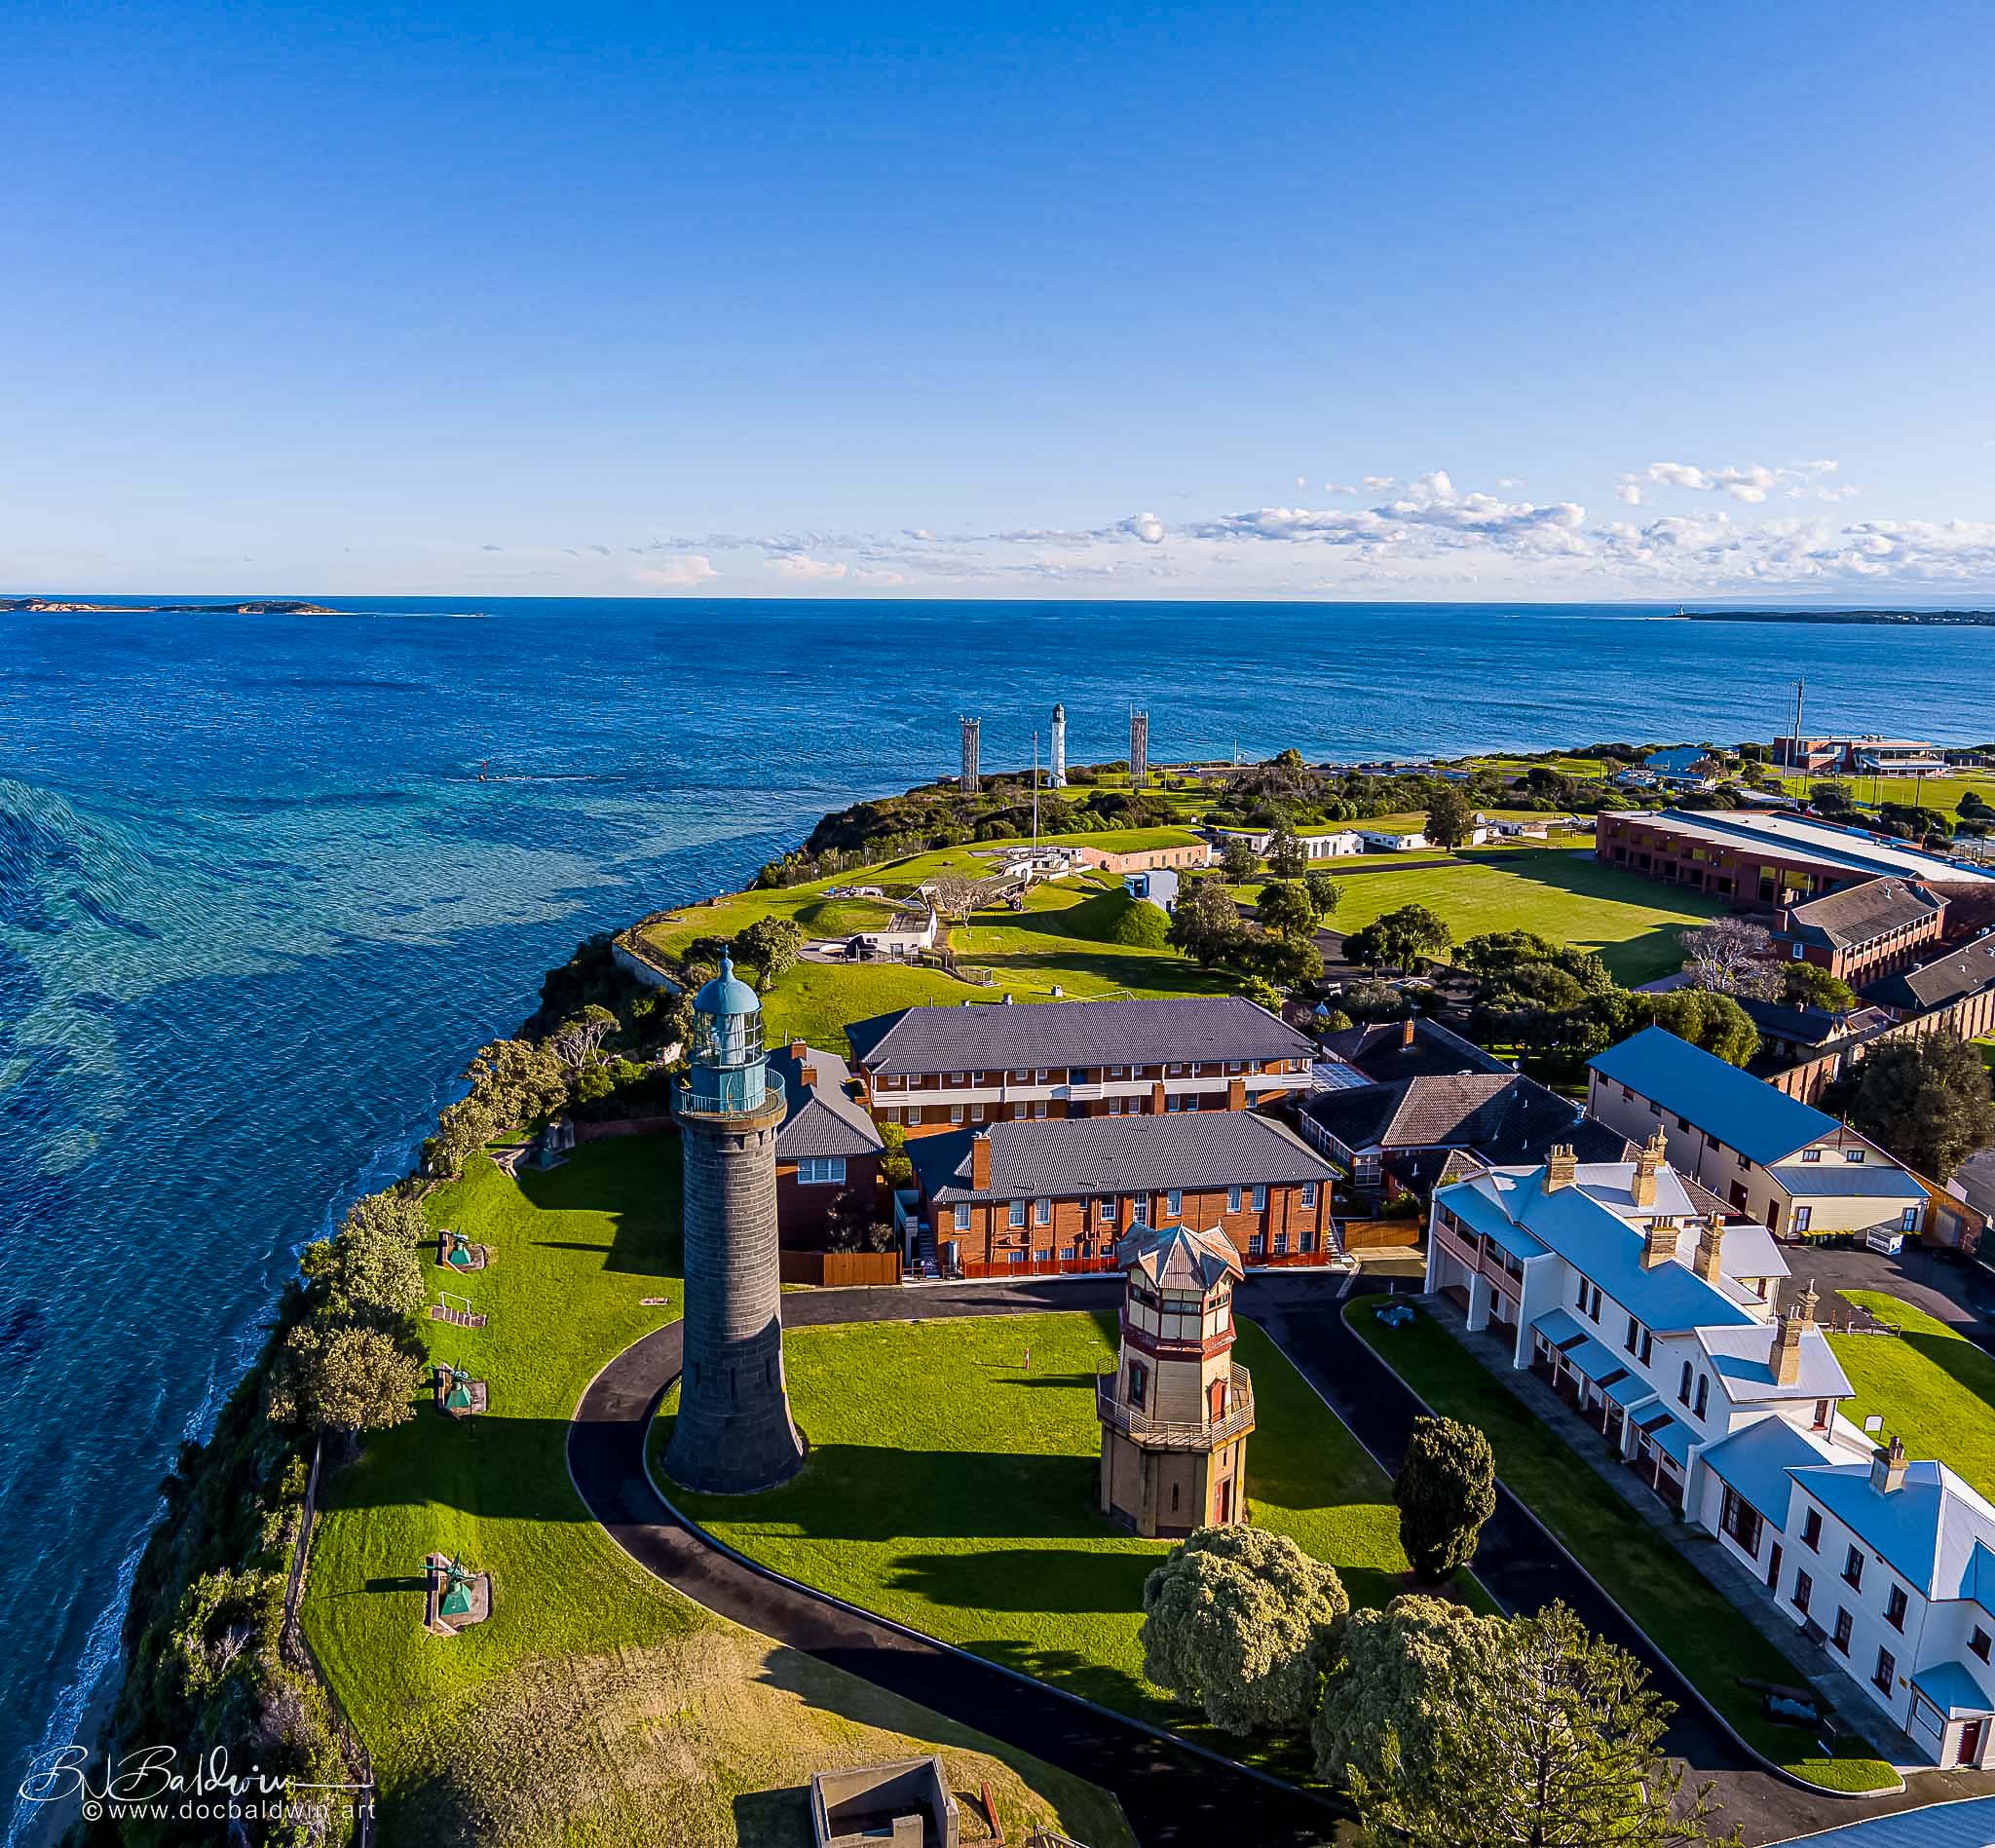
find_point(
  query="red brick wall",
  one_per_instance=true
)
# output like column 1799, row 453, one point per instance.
column 801, row 1213
column 989, row 1237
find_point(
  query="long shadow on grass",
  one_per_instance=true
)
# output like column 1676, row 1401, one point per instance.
column 1965, row 1363
column 1029, row 1578
column 634, row 1181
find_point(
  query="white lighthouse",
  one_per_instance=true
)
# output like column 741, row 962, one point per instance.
column 1058, row 778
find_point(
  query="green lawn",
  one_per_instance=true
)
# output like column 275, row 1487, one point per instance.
column 1931, row 792
column 1564, row 895
column 953, row 1488
column 1932, row 1386
column 1664, row 1593
column 1062, row 940
column 597, row 1704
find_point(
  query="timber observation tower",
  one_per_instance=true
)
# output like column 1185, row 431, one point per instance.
column 734, row 1434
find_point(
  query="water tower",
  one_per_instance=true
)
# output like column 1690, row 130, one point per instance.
column 735, row 1434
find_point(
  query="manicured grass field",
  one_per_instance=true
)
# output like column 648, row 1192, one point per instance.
column 1062, row 939
column 596, row 1705
column 1931, row 792
column 1563, row 895
column 1672, row 1602
column 953, row 1488
column 1932, row 1386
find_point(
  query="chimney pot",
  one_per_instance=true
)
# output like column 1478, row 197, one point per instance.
column 980, row 1159
column 1406, row 1031
column 1560, row 1170
column 1888, row 1468
column 798, row 1049
column 1710, row 1249
column 807, row 1077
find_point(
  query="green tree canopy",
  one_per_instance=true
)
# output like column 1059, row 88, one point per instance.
column 1400, row 939
column 1239, row 1622
column 1206, row 924
column 1237, row 860
column 1561, row 1743
column 1284, row 908
column 770, row 945
column 1287, row 858
column 1449, row 818
column 1715, row 1021
column 371, row 1269
column 1395, row 1678
column 343, row 1378
column 1323, row 892
column 1445, row 1489
column 1926, row 1101
column 1806, row 985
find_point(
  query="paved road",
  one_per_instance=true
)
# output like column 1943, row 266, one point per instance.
column 1172, row 1796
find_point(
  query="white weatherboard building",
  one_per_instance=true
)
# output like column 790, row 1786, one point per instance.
column 1661, row 1326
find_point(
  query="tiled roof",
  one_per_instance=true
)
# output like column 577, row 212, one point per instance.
column 1862, row 913
column 1945, row 978
column 1504, row 1118
column 1380, row 1049
column 1118, row 1155
column 1927, row 1530
column 1176, row 1258
column 1729, row 1105
column 997, row 1037
column 824, row 1118
column 1807, row 1025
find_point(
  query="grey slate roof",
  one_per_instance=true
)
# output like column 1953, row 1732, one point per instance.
column 1862, row 913
column 1381, row 1051
column 1504, row 1116
column 1175, row 1258
column 1118, row 1155
column 1946, row 978
column 1049, row 1033
column 824, row 1118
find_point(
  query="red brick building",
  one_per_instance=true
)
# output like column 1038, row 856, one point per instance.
column 1046, row 1196
column 931, row 1069
column 1865, row 931
column 827, row 1143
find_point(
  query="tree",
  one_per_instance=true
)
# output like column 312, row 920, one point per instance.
column 853, row 1222
column 577, row 1042
column 1335, row 1021
column 1731, row 956
column 372, row 1268
column 1449, row 818
column 1831, row 799
column 462, row 1129
column 1402, row 939
column 1395, row 1677
column 1282, row 961
column 1808, row 985
column 1715, row 1021
column 1239, row 1622
column 1323, row 893
column 1561, row 1743
column 1287, row 858
column 1142, row 925
column 1375, row 1000
column 1926, row 1101
column 1262, row 993
column 520, row 1080
column 770, row 945
column 1284, row 908
column 1206, row 924
column 344, row 1376
column 1446, row 1489
column 1238, row 861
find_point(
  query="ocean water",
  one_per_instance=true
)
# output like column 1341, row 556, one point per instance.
column 257, row 904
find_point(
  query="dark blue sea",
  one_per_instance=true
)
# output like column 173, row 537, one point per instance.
column 257, row 903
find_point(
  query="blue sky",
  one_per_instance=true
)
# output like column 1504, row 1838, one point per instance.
column 1520, row 301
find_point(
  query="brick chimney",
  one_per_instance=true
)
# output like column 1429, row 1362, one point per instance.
column 1711, row 1241
column 1156, row 1100
column 1658, row 1242
column 1788, row 1328
column 980, row 1159
column 1236, row 1094
column 807, row 1077
column 1560, row 1169
column 796, row 1050
column 1641, row 1189
column 1888, row 1469
column 1406, row 1031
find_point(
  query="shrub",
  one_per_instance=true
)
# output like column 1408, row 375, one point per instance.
column 1142, row 925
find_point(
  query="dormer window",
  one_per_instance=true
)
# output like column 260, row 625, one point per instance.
column 1811, row 1154
column 1853, row 1155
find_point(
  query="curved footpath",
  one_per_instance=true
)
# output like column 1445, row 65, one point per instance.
column 1172, row 1793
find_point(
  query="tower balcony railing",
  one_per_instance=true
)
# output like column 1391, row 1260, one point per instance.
column 719, row 1091
column 1171, row 1434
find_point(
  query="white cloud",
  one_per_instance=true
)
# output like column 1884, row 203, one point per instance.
column 1339, row 487
column 1301, row 481
column 677, row 574
column 1146, row 527
column 1628, row 491
column 1752, row 484
column 809, row 570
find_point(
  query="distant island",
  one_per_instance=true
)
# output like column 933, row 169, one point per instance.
column 261, row 606
column 1922, row 618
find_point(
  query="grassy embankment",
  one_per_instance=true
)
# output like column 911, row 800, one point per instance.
column 952, row 1487
column 1672, row 1602
column 1932, row 1386
column 597, row 1704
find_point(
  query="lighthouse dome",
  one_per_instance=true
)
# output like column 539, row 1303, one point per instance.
column 727, row 994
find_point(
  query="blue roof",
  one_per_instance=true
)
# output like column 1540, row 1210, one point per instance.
column 1755, row 1461
column 1931, row 1531
column 1735, row 1108
column 1673, row 1440
column 1952, row 1689
column 1629, row 1391
column 1556, row 1326
column 1969, row 1825
column 727, row 992
column 1860, row 1180
column 1595, row 1359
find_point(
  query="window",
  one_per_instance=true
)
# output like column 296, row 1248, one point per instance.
column 1173, row 1105
column 1802, row 1216
column 1041, row 1075
column 1811, row 1154
column 1589, row 1295
column 1174, row 1203
column 1894, row 1607
column 1811, row 1529
column 1308, row 1192
column 1175, row 1070
column 1105, row 1211
column 1683, row 1123
column 1853, row 1569
column 1014, row 1257
column 821, row 1171
column 1634, row 1335
column 1853, row 1155
column 1307, row 1243
column 1841, row 1636
column 1804, row 1589
column 1627, row 1094
column 1067, row 1254
column 1017, row 1213
column 1257, row 1245
column 976, row 1112
column 1260, row 1200
column 1281, row 1244
column 1198, row 1070
column 1911, row 1221
column 1043, row 1212
column 1654, row 1109
column 1684, row 1386
column 1979, row 1642
column 1745, row 1165
column 1233, row 1197
column 1116, row 1071
column 1702, row 1395
column 956, row 1077
column 1741, row 1519
column 1039, row 1110
column 1886, row 1677
column 1648, row 1346
column 1821, row 1410
column 955, row 1113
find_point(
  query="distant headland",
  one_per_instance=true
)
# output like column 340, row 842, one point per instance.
column 1916, row 619
column 259, row 605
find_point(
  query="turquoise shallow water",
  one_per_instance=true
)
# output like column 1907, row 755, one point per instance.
column 256, row 905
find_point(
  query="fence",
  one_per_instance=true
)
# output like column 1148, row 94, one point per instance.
column 1377, row 1234
column 840, row 1269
